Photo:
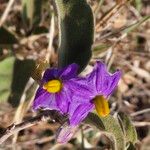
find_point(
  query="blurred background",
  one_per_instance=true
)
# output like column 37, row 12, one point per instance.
column 29, row 39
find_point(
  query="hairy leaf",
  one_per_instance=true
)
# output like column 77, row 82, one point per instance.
column 7, row 37
column 111, row 127
column 6, row 68
column 128, row 128
column 76, row 32
column 94, row 120
column 22, row 71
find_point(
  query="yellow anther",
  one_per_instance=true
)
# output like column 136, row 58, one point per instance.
column 102, row 106
column 53, row 86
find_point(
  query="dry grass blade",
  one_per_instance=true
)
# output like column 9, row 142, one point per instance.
column 105, row 20
column 141, row 124
column 34, row 141
column 51, row 38
column 22, row 108
column 6, row 12
column 140, row 112
column 139, row 71
column 125, row 29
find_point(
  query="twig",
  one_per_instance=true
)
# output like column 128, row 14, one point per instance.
column 140, row 112
column 12, row 129
column 141, row 124
column 6, row 12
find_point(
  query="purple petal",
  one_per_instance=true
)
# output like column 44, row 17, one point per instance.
column 45, row 100
column 81, row 89
column 100, row 76
column 72, row 107
column 63, row 98
column 50, row 74
column 69, row 72
column 104, row 82
column 80, row 112
column 110, row 83
column 65, row 133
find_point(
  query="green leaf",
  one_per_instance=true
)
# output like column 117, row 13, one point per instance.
column 31, row 13
column 6, row 68
column 7, row 37
column 111, row 127
column 128, row 128
column 94, row 120
column 76, row 32
column 40, row 30
column 131, row 146
column 22, row 71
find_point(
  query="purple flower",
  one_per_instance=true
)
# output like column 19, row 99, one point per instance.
column 104, row 84
column 64, row 91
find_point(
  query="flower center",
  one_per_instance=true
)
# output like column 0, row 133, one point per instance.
column 53, row 86
column 102, row 106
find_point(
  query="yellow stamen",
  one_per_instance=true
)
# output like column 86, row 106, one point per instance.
column 102, row 106
column 53, row 86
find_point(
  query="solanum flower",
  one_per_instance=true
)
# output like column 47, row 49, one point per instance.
column 63, row 90
column 104, row 84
